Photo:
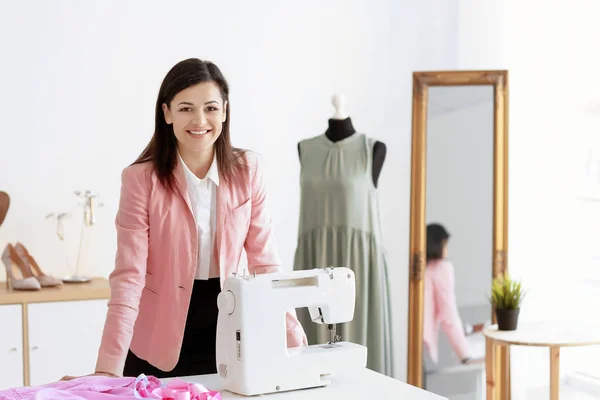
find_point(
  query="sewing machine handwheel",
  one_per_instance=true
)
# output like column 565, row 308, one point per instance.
column 226, row 302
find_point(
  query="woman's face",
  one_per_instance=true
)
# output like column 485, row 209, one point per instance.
column 197, row 115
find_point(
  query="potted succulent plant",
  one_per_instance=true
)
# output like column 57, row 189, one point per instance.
column 507, row 295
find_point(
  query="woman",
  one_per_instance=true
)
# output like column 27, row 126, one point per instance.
column 440, row 306
column 189, row 205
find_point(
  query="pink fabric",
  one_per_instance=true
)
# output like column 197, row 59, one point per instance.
column 104, row 388
column 177, row 389
column 440, row 309
column 156, row 260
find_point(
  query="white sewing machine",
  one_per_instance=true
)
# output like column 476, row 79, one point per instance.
column 252, row 355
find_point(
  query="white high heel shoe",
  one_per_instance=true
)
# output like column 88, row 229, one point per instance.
column 34, row 268
column 18, row 274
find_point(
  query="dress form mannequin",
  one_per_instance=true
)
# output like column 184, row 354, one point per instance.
column 339, row 224
column 340, row 127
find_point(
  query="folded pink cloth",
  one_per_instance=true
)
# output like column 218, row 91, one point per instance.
column 105, row 388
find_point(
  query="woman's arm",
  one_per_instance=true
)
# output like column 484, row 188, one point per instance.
column 450, row 319
column 128, row 278
column 260, row 246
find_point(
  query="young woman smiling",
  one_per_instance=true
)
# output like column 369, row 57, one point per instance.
column 189, row 205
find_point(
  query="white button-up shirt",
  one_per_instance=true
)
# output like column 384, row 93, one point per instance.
column 203, row 199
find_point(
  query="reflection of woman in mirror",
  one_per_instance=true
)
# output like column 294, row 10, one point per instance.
column 440, row 308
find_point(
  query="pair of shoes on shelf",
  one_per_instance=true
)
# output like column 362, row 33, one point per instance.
column 22, row 271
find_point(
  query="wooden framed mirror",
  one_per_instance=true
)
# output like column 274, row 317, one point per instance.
column 459, row 199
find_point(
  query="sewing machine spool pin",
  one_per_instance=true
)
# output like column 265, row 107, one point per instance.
column 330, row 272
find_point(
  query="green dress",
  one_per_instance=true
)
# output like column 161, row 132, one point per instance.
column 340, row 226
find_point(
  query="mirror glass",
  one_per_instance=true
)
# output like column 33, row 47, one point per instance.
column 459, row 218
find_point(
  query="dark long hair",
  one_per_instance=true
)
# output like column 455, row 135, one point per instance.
column 437, row 235
column 162, row 148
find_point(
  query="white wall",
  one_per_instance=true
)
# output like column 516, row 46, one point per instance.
column 460, row 184
column 553, row 235
column 79, row 81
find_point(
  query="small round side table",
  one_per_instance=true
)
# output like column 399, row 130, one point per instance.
column 551, row 334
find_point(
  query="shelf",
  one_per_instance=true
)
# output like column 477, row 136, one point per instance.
column 98, row 288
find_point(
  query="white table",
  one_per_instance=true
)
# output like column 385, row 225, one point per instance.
column 360, row 385
column 554, row 335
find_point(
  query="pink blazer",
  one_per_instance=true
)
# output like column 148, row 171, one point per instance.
column 440, row 309
column 156, row 261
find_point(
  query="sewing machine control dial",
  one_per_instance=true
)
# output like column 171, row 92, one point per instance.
column 226, row 302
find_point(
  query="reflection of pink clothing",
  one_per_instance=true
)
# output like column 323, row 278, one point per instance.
column 440, row 309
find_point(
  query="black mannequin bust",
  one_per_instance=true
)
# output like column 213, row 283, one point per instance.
column 340, row 129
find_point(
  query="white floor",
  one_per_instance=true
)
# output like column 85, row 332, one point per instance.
column 566, row 393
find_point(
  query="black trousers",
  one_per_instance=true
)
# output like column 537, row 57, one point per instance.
column 197, row 356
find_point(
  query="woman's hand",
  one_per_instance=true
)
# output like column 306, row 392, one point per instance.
column 472, row 361
column 69, row 377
